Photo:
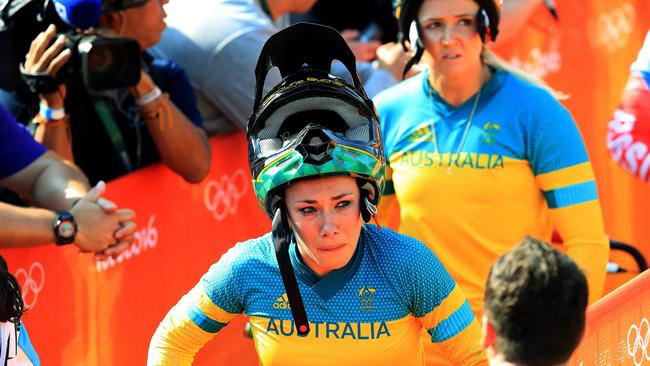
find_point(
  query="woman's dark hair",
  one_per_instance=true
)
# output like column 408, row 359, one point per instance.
column 11, row 300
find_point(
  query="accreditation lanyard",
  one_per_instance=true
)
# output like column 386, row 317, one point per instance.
column 113, row 131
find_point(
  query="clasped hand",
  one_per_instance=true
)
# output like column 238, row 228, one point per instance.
column 102, row 228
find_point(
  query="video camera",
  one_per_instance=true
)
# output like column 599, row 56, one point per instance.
column 103, row 63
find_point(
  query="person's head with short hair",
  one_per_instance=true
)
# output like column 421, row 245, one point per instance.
column 144, row 22
column 535, row 303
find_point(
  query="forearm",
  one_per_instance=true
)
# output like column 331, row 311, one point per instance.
column 582, row 230
column 57, row 137
column 25, row 227
column 183, row 147
column 59, row 185
column 176, row 341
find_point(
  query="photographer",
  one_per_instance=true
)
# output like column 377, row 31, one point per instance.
column 113, row 132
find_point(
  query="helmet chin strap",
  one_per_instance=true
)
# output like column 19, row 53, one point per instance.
column 281, row 239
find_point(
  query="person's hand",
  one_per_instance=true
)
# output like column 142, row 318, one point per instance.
column 97, row 230
column 124, row 236
column 47, row 56
column 363, row 51
column 392, row 58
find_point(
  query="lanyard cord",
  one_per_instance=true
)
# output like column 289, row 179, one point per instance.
column 113, row 132
column 465, row 132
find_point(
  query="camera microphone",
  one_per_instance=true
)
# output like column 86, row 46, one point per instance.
column 79, row 14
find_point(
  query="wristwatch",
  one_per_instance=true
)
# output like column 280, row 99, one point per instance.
column 65, row 228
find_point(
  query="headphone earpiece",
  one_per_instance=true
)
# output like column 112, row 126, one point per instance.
column 483, row 25
column 486, row 18
column 414, row 35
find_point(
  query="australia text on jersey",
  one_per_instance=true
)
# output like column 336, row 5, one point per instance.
column 341, row 330
column 432, row 159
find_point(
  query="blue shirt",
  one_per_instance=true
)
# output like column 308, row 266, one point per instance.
column 17, row 147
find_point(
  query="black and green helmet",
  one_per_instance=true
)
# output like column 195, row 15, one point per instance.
column 312, row 123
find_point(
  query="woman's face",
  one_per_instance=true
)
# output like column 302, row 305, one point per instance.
column 145, row 23
column 449, row 33
column 325, row 216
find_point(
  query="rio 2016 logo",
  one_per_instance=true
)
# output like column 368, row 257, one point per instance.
column 638, row 338
column 222, row 196
column 144, row 239
column 31, row 282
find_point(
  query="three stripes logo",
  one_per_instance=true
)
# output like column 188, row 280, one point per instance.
column 282, row 302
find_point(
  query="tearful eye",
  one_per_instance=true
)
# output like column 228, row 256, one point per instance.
column 343, row 204
column 307, row 211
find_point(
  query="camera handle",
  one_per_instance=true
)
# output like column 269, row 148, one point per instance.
column 39, row 82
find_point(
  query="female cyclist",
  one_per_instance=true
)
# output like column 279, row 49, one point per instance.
column 322, row 288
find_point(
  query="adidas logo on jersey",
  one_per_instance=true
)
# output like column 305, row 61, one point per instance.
column 282, row 302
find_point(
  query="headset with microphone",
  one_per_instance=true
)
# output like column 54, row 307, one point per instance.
column 487, row 24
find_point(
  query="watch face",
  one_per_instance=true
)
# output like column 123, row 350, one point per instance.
column 66, row 229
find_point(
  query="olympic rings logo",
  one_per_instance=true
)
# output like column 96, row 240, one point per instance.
column 31, row 282
column 638, row 349
column 612, row 30
column 222, row 197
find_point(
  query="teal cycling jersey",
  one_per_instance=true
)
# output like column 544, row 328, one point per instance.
column 371, row 310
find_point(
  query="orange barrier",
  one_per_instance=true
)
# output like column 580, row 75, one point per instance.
column 618, row 328
column 587, row 54
column 86, row 313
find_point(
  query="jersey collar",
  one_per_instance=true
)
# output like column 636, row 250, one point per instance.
column 326, row 287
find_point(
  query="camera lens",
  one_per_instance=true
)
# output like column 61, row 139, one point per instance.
column 109, row 63
column 106, row 61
